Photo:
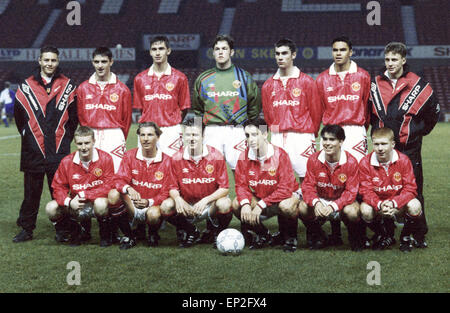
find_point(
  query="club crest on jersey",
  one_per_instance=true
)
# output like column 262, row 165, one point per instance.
column 237, row 84
column 114, row 97
column 170, row 86
column 342, row 178
column 209, row 168
column 159, row 175
column 356, row 86
column 272, row 171
column 397, row 176
column 98, row 172
column 296, row 92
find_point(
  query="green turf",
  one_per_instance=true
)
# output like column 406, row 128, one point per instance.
column 40, row 265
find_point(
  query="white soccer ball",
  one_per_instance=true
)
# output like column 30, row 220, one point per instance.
column 230, row 241
column 119, row 46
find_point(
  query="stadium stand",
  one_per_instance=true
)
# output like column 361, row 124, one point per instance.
column 26, row 29
column 439, row 78
column 434, row 30
column 311, row 28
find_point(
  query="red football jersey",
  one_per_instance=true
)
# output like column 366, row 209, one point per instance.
column 345, row 101
column 198, row 180
column 339, row 185
column 295, row 108
column 161, row 99
column 107, row 108
column 397, row 183
column 271, row 181
column 73, row 178
column 152, row 180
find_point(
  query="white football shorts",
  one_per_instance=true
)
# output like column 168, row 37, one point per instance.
column 111, row 140
column 170, row 140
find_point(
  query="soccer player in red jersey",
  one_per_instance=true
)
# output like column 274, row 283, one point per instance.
column 162, row 94
column 389, row 191
column 292, row 107
column 104, row 104
column 344, row 90
column 329, row 190
column 80, row 189
column 201, row 182
column 265, row 186
column 142, row 182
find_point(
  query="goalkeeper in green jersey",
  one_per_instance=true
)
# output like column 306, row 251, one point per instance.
column 225, row 97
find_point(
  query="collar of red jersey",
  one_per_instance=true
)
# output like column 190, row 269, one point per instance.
column 353, row 69
column 167, row 72
column 158, row 157
column 76, row 157
column 270, row 153
column 295, row 74
column 374, row 160
column 112, row 79
column 342, row 159
column 187, row 157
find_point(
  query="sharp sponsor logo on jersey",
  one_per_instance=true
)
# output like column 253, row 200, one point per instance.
column 411, row 98
column 397, row 176
column 227, row 93
column 356, row 86
column 114, row 97
column 291, row 103
column 296, row 92
column 87, row 186
column 204, row 180
column 272, row 171
column 157, row 96
column 135, row 172
column 342, row 178
column 170, row 86
column 327, row 185
column 76, row 176
column 63, row 101
column 89, row 97
column 159, row 175
column 237, row 84
column 98, row 172
column 266, row 182
column 209, row 168
column 149, row 185
column 107, row 107
column 343, row 97
column 388, row 188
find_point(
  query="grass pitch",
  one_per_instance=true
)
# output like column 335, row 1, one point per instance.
column 40, row 265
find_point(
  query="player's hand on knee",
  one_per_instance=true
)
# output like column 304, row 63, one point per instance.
column 256, row 213
column 200, row 206
column 246, row 213
column 77, row 203
column 141, row 204
column 134, row 195
column 319, row 209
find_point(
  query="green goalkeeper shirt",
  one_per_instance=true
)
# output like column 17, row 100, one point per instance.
column 226, row 97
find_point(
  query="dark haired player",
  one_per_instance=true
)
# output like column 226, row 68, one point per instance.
column 406, row 103
column 225, row 96
column 265, row 186
column 329, row 190
column 162, row 94
column 344, row 90
column 45, row 112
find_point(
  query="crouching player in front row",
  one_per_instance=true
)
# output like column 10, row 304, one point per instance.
column 389, row 191
column 265, row 186
column 329, row 191
column 200, row 189
column 142, row 182
column 80, row 189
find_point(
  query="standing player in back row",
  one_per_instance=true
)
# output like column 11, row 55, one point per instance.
column 344, row 90
column 292, row 107
column 162, row 94
column 226, row 96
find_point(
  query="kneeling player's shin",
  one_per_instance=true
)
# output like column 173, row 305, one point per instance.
column 224, row 220
column 287, row 226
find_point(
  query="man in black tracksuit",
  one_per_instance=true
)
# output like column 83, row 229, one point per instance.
column 46, row 117
column 404, row 102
